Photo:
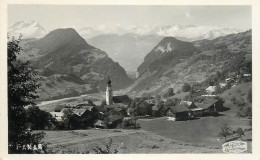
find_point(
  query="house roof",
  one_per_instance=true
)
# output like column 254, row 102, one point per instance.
column 151, row 101
column 89, row 108
column 113, row 118
column 79, row 112
column 206, row 103
column 57, row 114
column 100, row 123
column 179, row 108
column 155, row 108
column 121, row 99
column 211, row 88
column 186, row 102
column 117, row 105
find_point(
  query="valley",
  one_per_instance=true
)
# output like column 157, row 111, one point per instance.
column 143, row 115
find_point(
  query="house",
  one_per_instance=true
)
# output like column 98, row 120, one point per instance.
column 79, row 112
column 100, row 124
column 114, row 120
column 222, row 85
column 197, row 112
column 211, row 90
column 118, row 107
column 57, row 115
column 194, row 110
column 230, row 80
column 151, row 101
column 180, row 112
column 210, row 105
column 188, row 104
column 247, row 75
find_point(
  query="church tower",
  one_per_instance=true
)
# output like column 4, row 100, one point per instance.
column 109, row 92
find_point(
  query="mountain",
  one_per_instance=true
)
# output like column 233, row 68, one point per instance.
column 127, row 49
column 64, row 56
column 30, row 29
column 172, row 62
column 169, row 48
column 182, row 32
column 134, row 42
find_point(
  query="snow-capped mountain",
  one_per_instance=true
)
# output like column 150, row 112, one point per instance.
column 28, row 29
column 184, row 32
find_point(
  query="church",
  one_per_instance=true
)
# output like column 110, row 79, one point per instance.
column 115, row 101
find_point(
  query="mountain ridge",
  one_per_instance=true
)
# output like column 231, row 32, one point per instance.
column 223, row 54
column 63, row 56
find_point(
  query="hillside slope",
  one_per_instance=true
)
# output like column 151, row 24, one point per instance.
column 172, row 62
column 62, row 55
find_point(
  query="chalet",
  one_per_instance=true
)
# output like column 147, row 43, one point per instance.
column 210, row 105
column 188, row 104
column 180, row 112
column 114, row 120
column 194, row 110
column 211, row 90
column 57, row 115
column 118, row 107
column 197, row 112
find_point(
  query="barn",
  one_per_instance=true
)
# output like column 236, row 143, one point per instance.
column 180, row 112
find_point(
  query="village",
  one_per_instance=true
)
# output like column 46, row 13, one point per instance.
column 121, row 111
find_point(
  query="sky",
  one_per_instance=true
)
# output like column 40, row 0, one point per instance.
column 79, row 16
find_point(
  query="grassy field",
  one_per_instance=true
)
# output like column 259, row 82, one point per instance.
column 124, row 141
column 202, row 131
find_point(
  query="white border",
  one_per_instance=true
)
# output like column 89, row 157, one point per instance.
column 256, row 77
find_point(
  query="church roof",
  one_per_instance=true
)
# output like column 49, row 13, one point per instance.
column 121, row 99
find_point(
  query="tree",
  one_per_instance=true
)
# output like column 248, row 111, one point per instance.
column 22, row 86
column 168, row 93
column 186, row 87
column 67, row 113
column 37, row 118
column 225, row 131
column 240, row 132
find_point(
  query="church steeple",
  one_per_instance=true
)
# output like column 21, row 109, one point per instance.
column 108, row 81
column 109, row 92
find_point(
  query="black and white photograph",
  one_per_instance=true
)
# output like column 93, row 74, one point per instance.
column 129, row 79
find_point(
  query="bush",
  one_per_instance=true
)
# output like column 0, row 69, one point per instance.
column 186, row 87
column 168, row 93
column 225, row 131
column 244, row 112
column 240, row 132
column 130, row 124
